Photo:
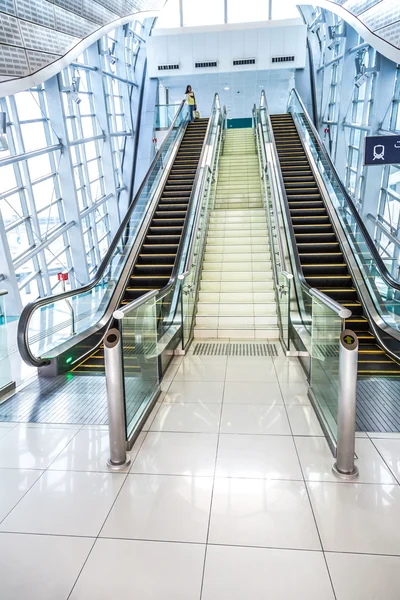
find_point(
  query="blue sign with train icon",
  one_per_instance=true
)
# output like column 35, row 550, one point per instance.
column 382, row 150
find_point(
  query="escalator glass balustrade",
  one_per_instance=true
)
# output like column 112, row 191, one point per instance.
column 320, row 251
column 65, row 332
column 158, row 252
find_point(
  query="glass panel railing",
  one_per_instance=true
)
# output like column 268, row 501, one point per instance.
column 282, row 279
column 5, row 366
column 164, row 115
column 49, row 324
column 149, row 323
column 190, row 288
column 326, row 330
column 386, row 297
column 192, row 262
column 140, row 360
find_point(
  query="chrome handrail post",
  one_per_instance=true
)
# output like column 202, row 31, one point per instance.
column 344, row 466
column 118, row 459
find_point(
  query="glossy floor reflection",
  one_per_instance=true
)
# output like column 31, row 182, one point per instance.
column 230, row 495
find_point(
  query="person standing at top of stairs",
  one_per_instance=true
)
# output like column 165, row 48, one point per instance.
column 191, row 101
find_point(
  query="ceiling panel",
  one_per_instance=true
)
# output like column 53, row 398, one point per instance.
column 35, row 33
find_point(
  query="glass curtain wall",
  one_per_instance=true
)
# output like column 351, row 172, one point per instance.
column 358, row 94
column 61, row 165
column 218, row 11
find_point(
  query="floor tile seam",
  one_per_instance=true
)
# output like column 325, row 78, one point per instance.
column 213, row 484
column 82, row 567
column 382, row 457
column 39, row 478
column 310, row 504
column 136, row 474
column 104, row 522
column 40, row 533
column 22, row 497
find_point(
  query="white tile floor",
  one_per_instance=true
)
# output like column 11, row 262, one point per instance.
column 230, row 496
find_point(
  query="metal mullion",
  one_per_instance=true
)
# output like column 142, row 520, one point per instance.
column 112, row 108
column 50, row 205
column 26, row 210
column 15, row 224
column 29, row 280
column 10, row 192
column 68, row 254
column 98, row 157
column 29, row 121
column 92, row 218
column 393, row 194
column 43, row 178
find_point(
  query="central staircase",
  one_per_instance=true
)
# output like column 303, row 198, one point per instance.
column 237, row 298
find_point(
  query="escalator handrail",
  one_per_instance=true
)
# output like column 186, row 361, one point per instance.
column 127, row 308
column 31, row 307
column 281, row 253
column 190, row 255
column 379, row 264
column 341, row 311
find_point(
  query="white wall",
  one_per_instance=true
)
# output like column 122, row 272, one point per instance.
column 244, row 90
column 224, row 43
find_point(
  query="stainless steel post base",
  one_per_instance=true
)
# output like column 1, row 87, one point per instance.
column 115, row 467
column 346, row 476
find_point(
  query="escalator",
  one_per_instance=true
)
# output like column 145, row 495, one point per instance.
column 323, row 263
column 158, row 252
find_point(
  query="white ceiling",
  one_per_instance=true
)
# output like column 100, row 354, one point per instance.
column 244, row 90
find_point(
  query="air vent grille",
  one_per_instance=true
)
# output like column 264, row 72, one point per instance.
column 168, row 67
column 244, row 61
column 208, row 63
column 281, row 59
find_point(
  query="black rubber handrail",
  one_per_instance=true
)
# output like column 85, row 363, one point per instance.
column 29, row 309
column 379, row 264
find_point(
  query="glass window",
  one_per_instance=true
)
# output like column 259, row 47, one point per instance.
column 28, row 106
column 252, row 10
column 33, row 135
column 11, row 209
column 49, row 219
column 212, row 11
column 7, row 178
column 18, row 240
column 39, row 166
column 169, row 15
column 44, row 193
column 286, row 9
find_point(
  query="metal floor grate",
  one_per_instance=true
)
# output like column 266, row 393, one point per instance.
column 378, row 405
column 69, row 398
column 235, row 349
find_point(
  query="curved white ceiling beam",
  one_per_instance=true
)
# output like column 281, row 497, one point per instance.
column 12, row 86
column 372, row 35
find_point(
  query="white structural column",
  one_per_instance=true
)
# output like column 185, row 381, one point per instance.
column 97, row 82
column 70, row 197
column 8, row 280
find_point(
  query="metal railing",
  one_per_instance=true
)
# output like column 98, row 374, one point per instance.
column 378, row 291
column 314, row 321
column 267, row 143
column 151, row 323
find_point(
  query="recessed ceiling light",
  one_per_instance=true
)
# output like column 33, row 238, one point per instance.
column 226, row 88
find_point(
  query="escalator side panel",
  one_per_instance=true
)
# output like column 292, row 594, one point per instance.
column 157, row 254
column 323, row 264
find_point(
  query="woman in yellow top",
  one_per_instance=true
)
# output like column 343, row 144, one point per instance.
column 191, row 101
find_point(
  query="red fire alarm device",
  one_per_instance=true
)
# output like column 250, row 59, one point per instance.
column 62, row 276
